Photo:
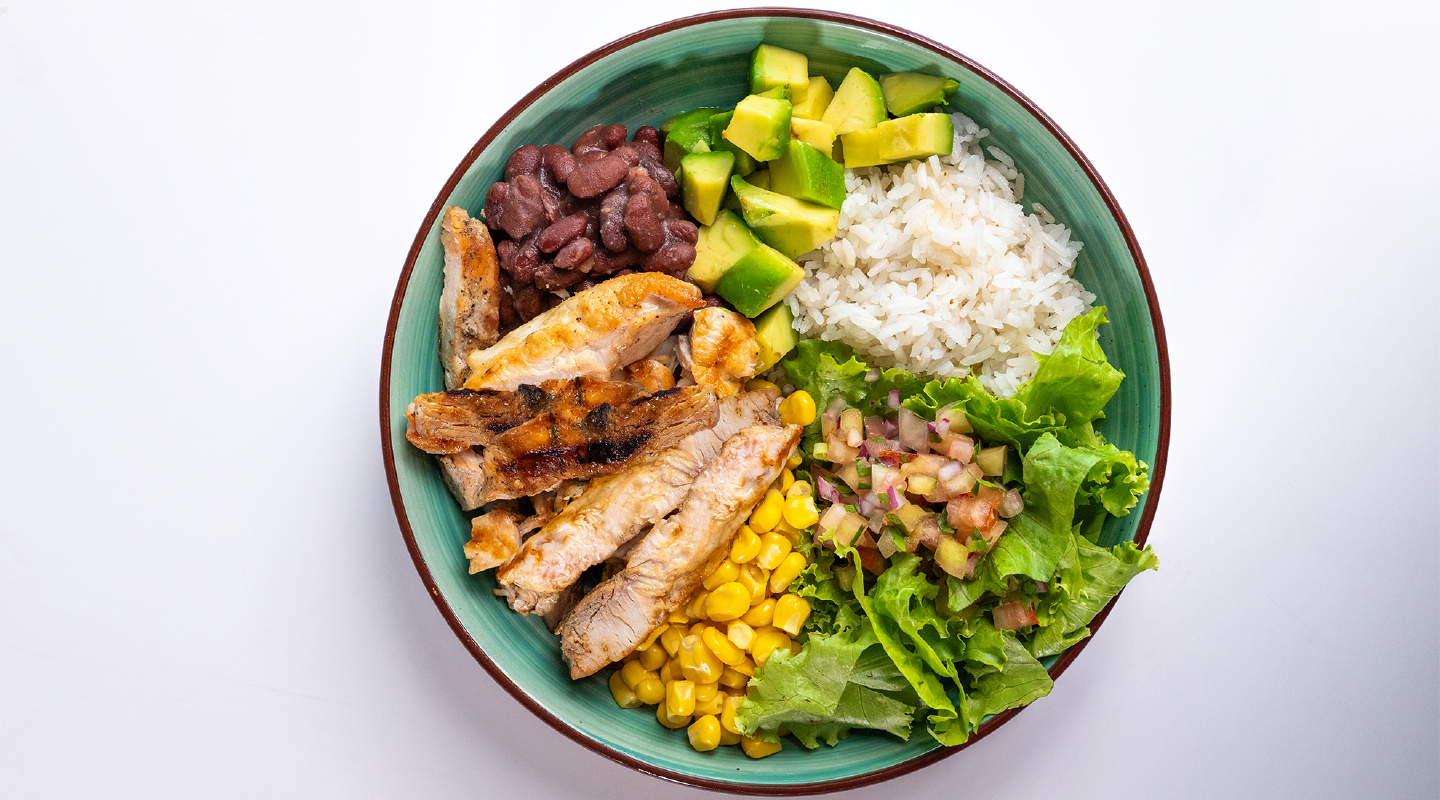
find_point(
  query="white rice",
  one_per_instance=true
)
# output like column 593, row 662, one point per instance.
column 937, row 269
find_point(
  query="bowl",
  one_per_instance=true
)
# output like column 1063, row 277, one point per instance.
column 643, row 79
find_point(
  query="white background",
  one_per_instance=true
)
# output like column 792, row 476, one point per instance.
column 204, row 208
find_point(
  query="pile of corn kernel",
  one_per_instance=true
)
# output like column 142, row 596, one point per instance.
column 694, row 668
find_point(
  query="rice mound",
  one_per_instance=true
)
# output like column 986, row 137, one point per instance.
column 937, row 269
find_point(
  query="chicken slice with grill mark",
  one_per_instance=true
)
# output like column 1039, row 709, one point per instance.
column 470, row 300
column 560, row 445
column 453, row 421
column 673, row 558
column 589, row 530
column 593, row 333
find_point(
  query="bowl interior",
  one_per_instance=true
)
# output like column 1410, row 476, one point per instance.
column 643, row 83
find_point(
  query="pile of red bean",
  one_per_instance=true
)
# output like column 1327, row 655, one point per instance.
column 572, row 218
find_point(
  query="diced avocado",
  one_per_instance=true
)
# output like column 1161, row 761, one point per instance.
column 760, row 279
column 778, row 93
column 807, row 173
column 793, row 227
column 772, row 66
column 720, row 245
column 858, row 104
column 759, row 178
column 705, row 178
column 810, row 103
column 775, row 333
column 913, row 136
column 918, row 136
column 744, row 164
column 912, row 92
column 814, row 133
column 686, row 133
column 760, row 127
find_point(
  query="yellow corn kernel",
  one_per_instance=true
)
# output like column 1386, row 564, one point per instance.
column 653, row 658
column 697, row 663
column 724, row 573
column 767, row 642
column 787, row 572
column 670, row 640
column 671, row 722
column 680, row 698
column 678, row 617
column 795, row 460
column 727, row 602
column 767, row 513
column 787, row 481
column 761, row 615
column 745, row 546
column 801, row 512
column 732, row 678
column 633, row 672
column 758, row 749
column 650, row 691
column 757, row 384
column 650, row 640
column 746, row 668
column 798, row 409
column 705, row 692
column 704, row 733
column 722, row 647
column 728, row 738
column 791, row 611
column 740, row 634
column 670, row 672
column 773, row 549
column 712, row 704
column 755, row 579
column 624, row 695
column 697, row 629
column 695, row 607
column 727, row 714
column 630, row 656
column 799, row 489
column 789, row 531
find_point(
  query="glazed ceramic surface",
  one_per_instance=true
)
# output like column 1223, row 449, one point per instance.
column 642, row 80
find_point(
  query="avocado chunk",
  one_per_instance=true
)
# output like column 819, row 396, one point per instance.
column 858, row 104
column 720, row 245
column 705, row 178
column 814, row 133
column 778, row 93
column 793, row 227
column 744, row 164
column 760, row 279
column 772, row 66
column 811, row 102
column 911, row 92
column 775, row 333
column 760, row 127
column 808, row 173
column 685, row 133
column 913, row 136
column 759, row 178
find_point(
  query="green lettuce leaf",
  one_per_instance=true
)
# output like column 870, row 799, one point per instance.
column 1086, row 583
column 1019, row 678
column 1038, row 538
column 1075, row 381
column 827, row 370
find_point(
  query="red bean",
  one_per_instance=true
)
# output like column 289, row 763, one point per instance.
column 673, row 259
column 558, row 160
column 682, row 230
column 524, row 161
column 495, row 204
column 561, row 233
column 574, row 254
column 612, row 221
column 548, row 279
column 523, row 207
column 642, row 224
column 645, row 133
column 589, row 180
column 527, row 302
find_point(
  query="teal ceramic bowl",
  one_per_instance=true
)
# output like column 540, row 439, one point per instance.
column 641, row 80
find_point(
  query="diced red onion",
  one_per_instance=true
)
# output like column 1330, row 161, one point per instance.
column 1041, row 587
column 1012, row 504
column 912, row 431
column 874, row 427
column 837, row 405
column 893, row 400
column 897, row 499
column 865, row 503
column 826, row 491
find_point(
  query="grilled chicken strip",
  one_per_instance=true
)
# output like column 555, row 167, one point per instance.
column 723, row 350
column 589, row 530
column 453, row 421
column 561, row 444
column 593, row 333
column 674, row 557
column 470, row 301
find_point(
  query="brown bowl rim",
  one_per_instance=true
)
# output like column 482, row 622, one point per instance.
column 1157, row 469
